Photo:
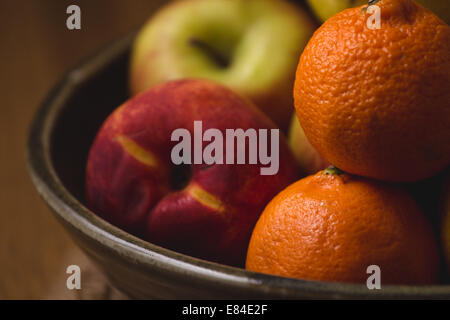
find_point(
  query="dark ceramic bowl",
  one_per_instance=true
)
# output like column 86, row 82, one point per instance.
column 59, row 140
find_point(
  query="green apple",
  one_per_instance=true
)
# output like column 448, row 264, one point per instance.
column 308, row 159
column 251, row 46
column 324, row 9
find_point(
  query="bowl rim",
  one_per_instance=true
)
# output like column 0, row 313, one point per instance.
column 72, row 211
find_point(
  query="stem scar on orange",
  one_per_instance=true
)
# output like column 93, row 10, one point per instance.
column 332, row 226
column 377, row 102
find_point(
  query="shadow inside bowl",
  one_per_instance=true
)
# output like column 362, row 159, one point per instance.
column 79, row 121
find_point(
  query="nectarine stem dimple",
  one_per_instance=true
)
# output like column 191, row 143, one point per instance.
column 180, row 177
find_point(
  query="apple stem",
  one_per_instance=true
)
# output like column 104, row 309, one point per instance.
column 219, row 59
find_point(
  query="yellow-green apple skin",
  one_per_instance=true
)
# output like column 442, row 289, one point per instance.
column 324, row 9
column 308, row 159
column 250, row 46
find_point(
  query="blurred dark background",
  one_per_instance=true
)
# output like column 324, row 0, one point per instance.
column 36, row 50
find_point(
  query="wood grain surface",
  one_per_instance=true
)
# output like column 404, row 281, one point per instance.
column 36, row 50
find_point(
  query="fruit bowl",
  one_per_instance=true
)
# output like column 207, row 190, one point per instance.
column 59, row 140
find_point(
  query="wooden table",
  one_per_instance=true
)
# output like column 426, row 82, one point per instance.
column 36, row 49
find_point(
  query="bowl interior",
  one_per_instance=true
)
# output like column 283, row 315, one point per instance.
column 80, row 119
column 73, row 114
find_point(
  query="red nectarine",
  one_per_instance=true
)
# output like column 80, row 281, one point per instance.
column 207, row 211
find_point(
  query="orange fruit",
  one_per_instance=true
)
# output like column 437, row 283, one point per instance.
column 377, row 102
column 332, row 226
